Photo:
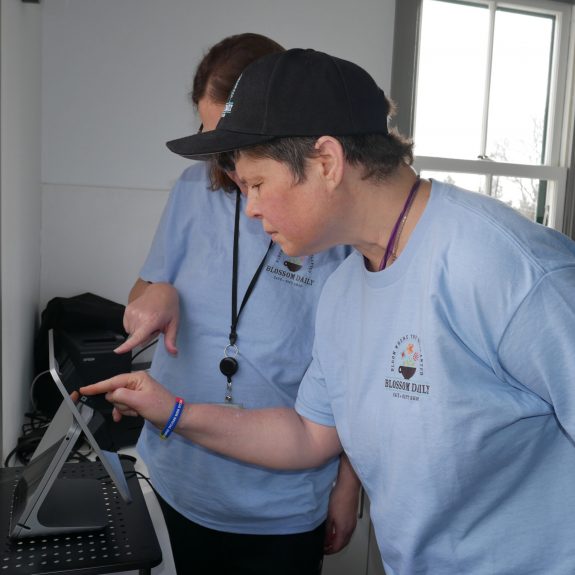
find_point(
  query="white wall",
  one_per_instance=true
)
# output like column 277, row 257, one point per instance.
column 90, row 92
column 20, row 205
column 116, row 74
column 95, row 239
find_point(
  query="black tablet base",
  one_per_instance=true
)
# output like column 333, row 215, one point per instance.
column 74, row 505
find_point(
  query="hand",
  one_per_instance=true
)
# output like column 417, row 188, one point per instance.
column 155, row 311
column 342, row 509
column 133, row 394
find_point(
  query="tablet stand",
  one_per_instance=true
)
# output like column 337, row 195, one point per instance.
column 44, row 503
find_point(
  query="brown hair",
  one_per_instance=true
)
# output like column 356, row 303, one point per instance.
column 217, row 74
column 224, row 62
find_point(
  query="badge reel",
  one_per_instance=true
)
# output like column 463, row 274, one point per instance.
column 229, row 366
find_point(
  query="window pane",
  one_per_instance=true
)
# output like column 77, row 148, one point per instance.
column 523, row 194
column 520, row 193
column 519, row 87
column 451, row 79
column 471, row 182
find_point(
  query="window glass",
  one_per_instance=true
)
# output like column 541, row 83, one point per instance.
column 522, row 194
column 519, row 87
column 451, row 79
column 472, row 182
column 489, row 93
column 481, row 93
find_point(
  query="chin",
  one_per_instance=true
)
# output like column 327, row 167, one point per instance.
column 295, row 251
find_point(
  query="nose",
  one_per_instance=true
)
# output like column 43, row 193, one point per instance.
column 252, row 210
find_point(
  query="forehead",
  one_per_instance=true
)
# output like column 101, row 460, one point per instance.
column 248, row 166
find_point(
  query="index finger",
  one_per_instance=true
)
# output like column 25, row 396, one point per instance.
column 139, row 337
column 116, row 382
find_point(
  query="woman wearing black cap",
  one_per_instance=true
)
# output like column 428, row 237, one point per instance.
column 443, row 357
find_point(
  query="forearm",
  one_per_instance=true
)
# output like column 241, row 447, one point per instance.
column 346, row 476
column 274, row 437
column 343, row 508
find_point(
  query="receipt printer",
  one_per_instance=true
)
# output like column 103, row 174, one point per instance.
column 92, row 353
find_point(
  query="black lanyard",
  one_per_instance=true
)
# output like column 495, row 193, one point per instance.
column 229, row 364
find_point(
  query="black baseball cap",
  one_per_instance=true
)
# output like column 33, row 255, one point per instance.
column 299, row 92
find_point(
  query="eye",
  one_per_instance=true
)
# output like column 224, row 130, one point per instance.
column 255, row 187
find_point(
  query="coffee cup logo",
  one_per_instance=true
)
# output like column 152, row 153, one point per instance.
column 407, row 371
column 293, row 264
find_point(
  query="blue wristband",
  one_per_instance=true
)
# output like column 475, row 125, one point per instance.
column 173, row 421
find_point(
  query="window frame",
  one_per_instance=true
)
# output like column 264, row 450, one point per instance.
column 562, row 145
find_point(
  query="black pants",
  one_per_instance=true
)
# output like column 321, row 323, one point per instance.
column 198, row 550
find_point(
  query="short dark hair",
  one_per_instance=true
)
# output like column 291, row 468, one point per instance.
column 218, row 72
column 379, row 154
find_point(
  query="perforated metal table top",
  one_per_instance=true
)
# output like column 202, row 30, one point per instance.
column 128, row 542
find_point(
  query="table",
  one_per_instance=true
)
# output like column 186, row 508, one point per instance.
column 127, row 543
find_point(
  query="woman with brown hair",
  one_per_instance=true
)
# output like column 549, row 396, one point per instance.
column 210, row 267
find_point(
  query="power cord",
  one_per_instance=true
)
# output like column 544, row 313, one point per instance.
column 32, row 397
column 129, row 474
column 32, row 433
column 144, row 349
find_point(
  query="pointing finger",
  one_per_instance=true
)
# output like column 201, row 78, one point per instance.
column 107, row 385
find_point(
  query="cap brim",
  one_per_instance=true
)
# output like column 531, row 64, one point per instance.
column 198, row 146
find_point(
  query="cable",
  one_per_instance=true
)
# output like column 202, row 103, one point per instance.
column 128, row 474
column 32, row 433
column 9, row 456
column 32, row 401
column 144, row 349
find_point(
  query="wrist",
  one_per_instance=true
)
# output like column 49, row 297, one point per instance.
column 173, row 419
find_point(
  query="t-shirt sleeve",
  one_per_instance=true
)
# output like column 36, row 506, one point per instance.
column 168, row 247
column 154, row 268
column 538, row 347
column 312, row 401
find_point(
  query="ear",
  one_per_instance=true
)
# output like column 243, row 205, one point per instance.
column 331, row 160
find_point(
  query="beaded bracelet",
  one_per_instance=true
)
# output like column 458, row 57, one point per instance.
column 173, row 421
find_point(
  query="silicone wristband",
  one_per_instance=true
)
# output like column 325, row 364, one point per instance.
column 173, row 421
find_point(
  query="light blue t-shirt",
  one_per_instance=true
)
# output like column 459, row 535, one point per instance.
column 450, row 378
column 193, row 250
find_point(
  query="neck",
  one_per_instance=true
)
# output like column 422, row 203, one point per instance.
column 381, row 210
column 393, row 242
